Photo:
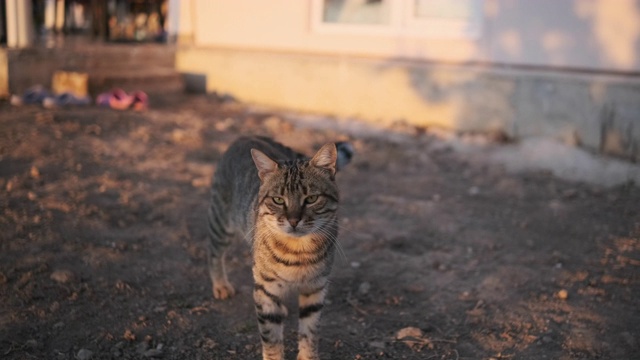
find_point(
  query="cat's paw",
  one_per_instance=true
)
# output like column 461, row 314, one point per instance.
column 223, row 290
column 308, row 357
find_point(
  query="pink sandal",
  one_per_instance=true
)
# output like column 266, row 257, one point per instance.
column 116, row 99
column 140, row 101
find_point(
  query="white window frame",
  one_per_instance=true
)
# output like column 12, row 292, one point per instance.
column 403, row 23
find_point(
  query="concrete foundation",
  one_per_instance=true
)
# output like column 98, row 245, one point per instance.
column 598, row 111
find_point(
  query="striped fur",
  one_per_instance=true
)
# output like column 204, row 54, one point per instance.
column 286, row 206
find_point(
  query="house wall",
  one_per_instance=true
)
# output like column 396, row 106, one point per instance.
column 539, row 68
column 585, row 34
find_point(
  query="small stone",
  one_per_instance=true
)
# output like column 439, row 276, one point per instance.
column 55, row 306
column 142, row 347
column 207, row 344
column 58, row 325
column 224, row 125
column 200, row 182
column 465, row 295
column 35, row 173
column 563, row 294
column 546, row 339
column 570, row 194
column 355, row 264
column 412, row 337
column 377, row 344
column 84, row 354
column 364, row 288
column 273, row 124
column 629, row 338
column 32, row 344
column 474, row 190
column 62, row 276
column 178, row 135
column 128, row 335
column 153, row 353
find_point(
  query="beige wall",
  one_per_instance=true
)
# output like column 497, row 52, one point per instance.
column 332, row 86
column 583, row 34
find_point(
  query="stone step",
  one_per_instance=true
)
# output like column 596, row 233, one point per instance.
column 129, row 56
column 147, row 67
column 96, row 57
column 152, row 80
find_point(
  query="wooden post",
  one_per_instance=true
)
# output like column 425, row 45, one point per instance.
column 19, row 23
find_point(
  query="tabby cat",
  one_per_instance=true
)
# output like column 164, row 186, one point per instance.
column 285, row 205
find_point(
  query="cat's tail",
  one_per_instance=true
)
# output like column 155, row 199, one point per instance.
column 345, row 153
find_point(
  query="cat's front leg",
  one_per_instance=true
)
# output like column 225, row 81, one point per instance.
column 271, row 314
column 219, row 240
column 311, row 302
column 222, row 288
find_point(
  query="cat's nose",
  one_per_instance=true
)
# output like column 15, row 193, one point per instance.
column 293, row 222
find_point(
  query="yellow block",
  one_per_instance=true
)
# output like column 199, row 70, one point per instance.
column 68, row 81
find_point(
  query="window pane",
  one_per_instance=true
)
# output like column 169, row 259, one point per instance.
column 357, row 11
column 445, row 9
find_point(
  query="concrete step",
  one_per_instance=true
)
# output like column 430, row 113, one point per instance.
column 152, row 80
column 130, row 56
column 147, row 67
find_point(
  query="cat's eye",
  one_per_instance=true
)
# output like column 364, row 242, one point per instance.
column 311, row 199
column 278, row 200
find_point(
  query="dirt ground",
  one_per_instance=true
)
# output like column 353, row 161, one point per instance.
column 102, row 227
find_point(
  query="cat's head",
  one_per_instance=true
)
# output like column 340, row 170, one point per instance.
column 298, row 197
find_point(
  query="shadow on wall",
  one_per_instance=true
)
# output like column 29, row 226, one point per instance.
column 572, row 102
column 553, row 40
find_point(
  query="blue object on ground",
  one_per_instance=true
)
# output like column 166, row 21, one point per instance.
column 33, row 95
column 65, row 99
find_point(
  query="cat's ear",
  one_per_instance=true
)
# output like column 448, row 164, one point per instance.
column 264, row 163
column 326, row 158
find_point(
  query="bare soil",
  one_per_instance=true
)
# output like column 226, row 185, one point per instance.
column 102, row 227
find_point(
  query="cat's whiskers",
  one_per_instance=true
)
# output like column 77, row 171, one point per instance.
column 249, row 234
column 328, row 235
column 339, row 229
column 344, row 228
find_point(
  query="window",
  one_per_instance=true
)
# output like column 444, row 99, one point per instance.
column 370, row 12
column 422, row 18
column 447, row 17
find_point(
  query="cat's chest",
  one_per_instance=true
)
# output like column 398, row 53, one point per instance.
column 296, row 261
column 299, row 276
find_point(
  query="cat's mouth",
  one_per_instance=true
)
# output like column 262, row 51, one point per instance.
column 296, row 232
